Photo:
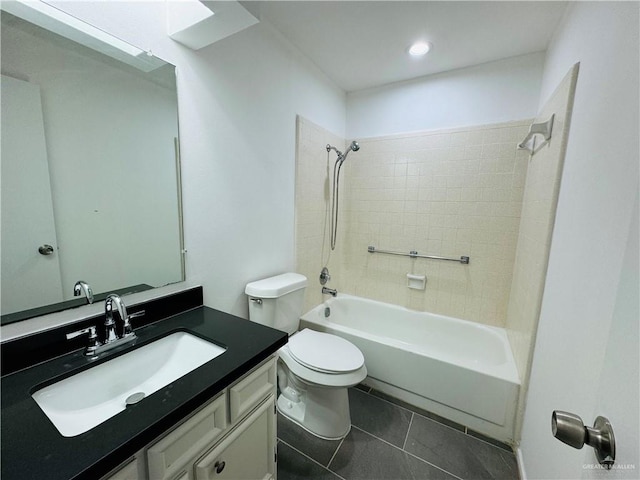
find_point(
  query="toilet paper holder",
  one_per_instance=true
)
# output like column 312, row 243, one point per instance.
column 569, row 428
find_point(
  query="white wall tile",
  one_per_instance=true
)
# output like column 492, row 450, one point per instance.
column 447, row 193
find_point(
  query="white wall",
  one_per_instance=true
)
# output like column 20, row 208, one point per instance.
column 493, row 92
column 238, row 101
column 595, row 206
column 618, row 393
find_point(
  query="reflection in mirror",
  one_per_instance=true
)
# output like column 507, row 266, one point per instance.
column 90, row 172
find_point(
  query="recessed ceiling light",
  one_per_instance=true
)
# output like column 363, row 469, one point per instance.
column 419, row 48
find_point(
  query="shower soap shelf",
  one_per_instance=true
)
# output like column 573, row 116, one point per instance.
column 416, row 282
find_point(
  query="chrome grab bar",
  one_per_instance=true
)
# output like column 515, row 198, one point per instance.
column 413, row 254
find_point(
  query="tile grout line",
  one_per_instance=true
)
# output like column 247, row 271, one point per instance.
column 377, row 438
column 464, row 431
column 427, row 418
column 406, row 437
column 336, row 452
column 309, row 458
column 466, row 434
column 387, row 401
column 404, row 451
column 432, row 464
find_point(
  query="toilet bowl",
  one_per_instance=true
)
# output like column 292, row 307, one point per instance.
column 315, row 369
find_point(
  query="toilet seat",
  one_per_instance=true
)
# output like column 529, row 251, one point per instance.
column 314, row 377
column 324, row 352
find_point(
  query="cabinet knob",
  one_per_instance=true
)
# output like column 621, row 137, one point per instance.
column 219, row 466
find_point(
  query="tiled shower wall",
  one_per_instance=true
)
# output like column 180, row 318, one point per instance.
column 448, row 193
column 312, row 206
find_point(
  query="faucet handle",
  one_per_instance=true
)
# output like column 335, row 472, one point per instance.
column 93, row 339
column 90, row 330
column 324, row 276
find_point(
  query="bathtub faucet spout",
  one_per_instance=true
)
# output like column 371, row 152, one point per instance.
column 331, row 291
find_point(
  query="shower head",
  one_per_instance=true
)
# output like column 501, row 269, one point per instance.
column 352, row 147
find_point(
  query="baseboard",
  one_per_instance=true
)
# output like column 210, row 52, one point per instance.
column 520, row 462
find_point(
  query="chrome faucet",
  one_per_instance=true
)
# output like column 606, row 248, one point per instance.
column 331, row 291
column 113, row 336
column 82, row 287
column 109, row 323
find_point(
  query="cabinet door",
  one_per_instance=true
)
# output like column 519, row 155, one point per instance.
column 247, row 453
column 252, row 390
column 171, row 456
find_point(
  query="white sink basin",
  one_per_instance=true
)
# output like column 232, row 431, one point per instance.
column 79, row 403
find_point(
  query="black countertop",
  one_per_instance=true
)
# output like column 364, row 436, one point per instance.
column 32, row 447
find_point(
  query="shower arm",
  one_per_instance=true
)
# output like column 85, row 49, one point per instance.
column 331, row 147
column 353, row 147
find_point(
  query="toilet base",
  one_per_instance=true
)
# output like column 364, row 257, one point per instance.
column 322, row 411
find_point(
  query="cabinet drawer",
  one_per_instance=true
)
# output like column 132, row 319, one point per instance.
column 252, row 389
column 247, row 453
column 170, row 454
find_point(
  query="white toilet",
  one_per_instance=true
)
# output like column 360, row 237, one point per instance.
column 314, row 369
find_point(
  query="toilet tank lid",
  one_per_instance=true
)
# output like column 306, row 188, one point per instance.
column 277, row 286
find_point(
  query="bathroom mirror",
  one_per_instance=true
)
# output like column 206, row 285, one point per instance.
column 90, row 165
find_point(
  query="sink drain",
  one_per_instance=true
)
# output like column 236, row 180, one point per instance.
column 134, row 398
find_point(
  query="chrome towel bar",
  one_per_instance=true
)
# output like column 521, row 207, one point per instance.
column 413, row 254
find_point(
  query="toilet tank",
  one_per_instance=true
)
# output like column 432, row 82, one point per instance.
column 277, row 301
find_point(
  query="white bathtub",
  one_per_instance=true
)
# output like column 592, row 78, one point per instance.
column 458, row 369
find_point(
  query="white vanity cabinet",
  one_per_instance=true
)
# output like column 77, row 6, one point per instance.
column 232, row 437
column 242, row 454
column 171, row 456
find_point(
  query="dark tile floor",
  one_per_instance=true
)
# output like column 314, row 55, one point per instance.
column 390, row 439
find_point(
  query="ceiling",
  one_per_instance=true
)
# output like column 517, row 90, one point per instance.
column 363, row 44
